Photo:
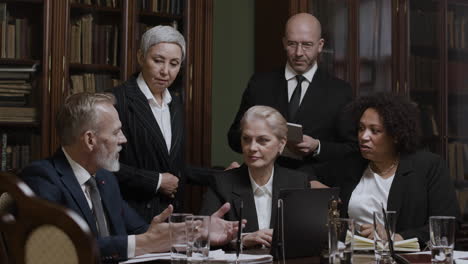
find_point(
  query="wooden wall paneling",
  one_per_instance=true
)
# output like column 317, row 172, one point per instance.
column 397, row 84
column 404, row 43
column 46, row 80
column 132, row 29
column 298, row 6
column 59, row 72
column 198, row 83
column 270, row 20
column 353, row 46
column 125, row 39
column 443, row 98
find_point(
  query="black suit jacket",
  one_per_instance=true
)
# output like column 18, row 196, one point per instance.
column 320, row 114
column 234, row 186
column 421, row 188
column 53, row 179
column 145, row 155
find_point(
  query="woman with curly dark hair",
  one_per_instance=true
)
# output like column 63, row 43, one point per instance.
column 392, row 172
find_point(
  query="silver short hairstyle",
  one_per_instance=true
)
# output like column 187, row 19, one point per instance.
column 271, row 116
column 78, row 114
column 160, row 34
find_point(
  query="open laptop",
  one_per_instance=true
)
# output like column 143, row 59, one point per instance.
column 301, row 225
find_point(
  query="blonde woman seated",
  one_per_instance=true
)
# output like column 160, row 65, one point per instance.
column 258, row 181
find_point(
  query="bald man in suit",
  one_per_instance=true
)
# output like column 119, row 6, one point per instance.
column 306, row 95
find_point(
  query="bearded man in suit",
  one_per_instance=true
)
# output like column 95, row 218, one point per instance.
column 307, row 95
column 79, row 176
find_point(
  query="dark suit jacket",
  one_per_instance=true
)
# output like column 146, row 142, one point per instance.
column 234, row 186
column 145, row 155
column 320, row 114
column 53, row 180
column 421, row 188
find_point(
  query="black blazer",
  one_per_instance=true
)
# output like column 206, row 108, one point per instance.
column 145, row 155
column 53, row 179
column 234, row 186
column 320, row 113
column 421, row 188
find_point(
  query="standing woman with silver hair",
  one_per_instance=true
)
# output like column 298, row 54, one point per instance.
column 153, row 171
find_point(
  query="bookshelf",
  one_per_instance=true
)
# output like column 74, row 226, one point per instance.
column 24, row 32
column 63, row 43
column 95, row 44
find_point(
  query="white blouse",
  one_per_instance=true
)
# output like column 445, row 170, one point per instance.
column 368, row 196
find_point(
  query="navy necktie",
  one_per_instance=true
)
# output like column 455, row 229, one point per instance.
column 98, row 211
column 296, row 98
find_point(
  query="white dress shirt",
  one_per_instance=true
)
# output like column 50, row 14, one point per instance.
column 161, row 113
column 368, row 196
column 290, row 76
column 263, row 199
column 82, row 175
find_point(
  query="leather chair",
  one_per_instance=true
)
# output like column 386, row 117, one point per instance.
column 37, row 231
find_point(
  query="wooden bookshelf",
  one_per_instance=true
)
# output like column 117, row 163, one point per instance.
column 23, row 81
column 79, row 67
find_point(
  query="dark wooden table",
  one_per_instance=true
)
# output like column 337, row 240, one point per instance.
column 358, row 258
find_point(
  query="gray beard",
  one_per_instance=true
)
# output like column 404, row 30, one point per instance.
column 109, row 164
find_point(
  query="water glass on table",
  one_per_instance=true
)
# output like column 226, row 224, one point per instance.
column 178, row 233
column 442, row 238
column 341, row 240
column 198, row 238
column 381, row 239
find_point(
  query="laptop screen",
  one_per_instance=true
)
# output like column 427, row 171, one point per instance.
column 301, row 224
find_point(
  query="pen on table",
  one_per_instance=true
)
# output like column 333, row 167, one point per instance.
column 239, row 232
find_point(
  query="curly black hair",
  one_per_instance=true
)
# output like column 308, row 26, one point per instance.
column 400, row 117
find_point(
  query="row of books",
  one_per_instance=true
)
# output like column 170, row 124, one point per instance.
column 89, row 82
column 15, row 36
column 173, row 7
column 457, row 30
column 426, row 78
column 424, row 71
column 422, row 25
column 457, row 114
column 422, row 29
column 15, row 85
column 105, row 3
column 93, row 43
column 458, row 161
column 18, row 114
column 13, row 156
column 462, row 195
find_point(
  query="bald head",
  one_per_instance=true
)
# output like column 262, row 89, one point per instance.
column 305, row 22
column 302, row 41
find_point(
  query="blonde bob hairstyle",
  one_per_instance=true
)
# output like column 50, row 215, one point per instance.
column 274, row 120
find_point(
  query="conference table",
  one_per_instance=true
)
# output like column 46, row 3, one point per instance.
column 358, row 258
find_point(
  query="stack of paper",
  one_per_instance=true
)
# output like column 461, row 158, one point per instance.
column 408, row 245
column 216, row 256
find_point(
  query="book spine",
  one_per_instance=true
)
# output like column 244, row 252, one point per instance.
column 4, row 146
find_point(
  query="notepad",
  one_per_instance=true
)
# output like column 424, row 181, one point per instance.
column 294, row 132
column 294, row 136
column 408, row 245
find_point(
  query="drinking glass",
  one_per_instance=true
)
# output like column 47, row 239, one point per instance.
column 178, row 234
column 341, row 240
column 198, row 238
column 442, row 237
column 381, row 240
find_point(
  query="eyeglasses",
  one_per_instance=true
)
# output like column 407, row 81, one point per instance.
column 306, row 46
